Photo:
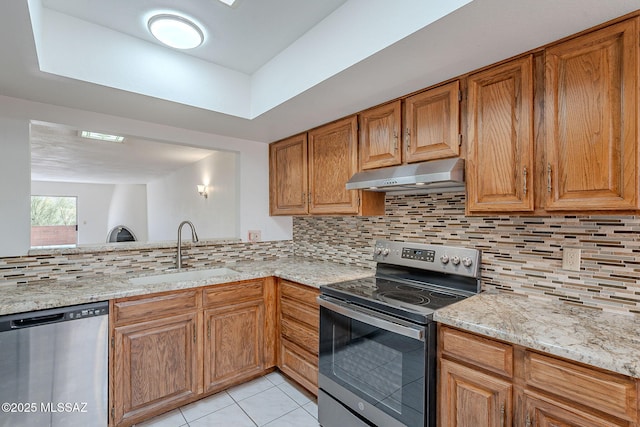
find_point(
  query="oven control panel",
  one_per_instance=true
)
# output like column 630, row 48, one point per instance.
column 446, row 259
column 419, row 254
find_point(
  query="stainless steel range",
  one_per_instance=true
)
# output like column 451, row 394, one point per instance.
column 377, row 361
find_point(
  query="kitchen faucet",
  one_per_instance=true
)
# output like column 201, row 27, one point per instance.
column 194, row 238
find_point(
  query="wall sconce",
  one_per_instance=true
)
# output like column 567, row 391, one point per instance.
column 202, row 189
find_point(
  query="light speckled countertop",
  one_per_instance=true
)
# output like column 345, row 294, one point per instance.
column 605, row 340
column 23, row 298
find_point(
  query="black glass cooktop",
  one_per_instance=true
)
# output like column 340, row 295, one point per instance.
column 416, row 302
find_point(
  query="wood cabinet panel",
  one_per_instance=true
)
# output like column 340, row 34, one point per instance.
column 220, row 295
column 302, row 293
column 591, row 119
column 484, row 353
column 432, row 124
column 610, row 393
column 333, row 159
column 300, row 365
column 500, row 138
column 156, row 365
column 300, row 312
column 541, row 411
column 469, row 398
column 233, row 344
column 288, row 185
column 156, row 306
column 296, row 332
column 380, row 136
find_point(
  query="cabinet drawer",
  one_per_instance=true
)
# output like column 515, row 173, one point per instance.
column 610, row 393
column 300, row 365
column 482, row 352
column 300, row 334
column 146, row 308
column 233, row 292
column 300, row 312
column 298, row 292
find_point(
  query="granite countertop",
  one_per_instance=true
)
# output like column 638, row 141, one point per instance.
column 30, row 297
column 606, row 340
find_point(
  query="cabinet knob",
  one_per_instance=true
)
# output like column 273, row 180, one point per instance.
column 524, row 181
column 548, row 177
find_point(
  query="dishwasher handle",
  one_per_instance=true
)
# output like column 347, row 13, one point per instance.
column 29, row 322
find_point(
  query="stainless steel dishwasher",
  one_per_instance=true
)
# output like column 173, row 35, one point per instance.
column 53, row 367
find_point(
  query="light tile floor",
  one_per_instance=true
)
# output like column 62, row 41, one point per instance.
column 272, row 401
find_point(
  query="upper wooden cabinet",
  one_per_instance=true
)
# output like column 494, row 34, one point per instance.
column 333, row 159
column 432, row 124
column 380, row 136
column 288, row 176
column 309, row 172
column 591, row 120
column 500, row 138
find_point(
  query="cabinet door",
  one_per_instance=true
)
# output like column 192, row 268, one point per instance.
column 432, row 124
column 591, row 115
column 380, row 130
column 288, row 176
column 469, row 398
column 333, row 159
column 500, row 144
column 543, row 412
column 234, row 344
column 156, row 366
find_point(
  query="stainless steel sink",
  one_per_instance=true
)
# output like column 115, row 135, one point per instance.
column 182, row 276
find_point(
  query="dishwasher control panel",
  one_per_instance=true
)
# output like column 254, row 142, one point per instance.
column 88, row 312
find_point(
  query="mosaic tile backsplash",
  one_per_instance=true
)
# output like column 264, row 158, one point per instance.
column 520, row 254
column 68, row 264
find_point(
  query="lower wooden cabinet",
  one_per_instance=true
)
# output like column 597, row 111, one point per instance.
column 473, row 399
column 233, row 348
column 172, row 348
column 299, row 316
column 498, row 384
column 156, row 365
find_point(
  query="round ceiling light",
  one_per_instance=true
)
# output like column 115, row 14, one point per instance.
column 175, row 31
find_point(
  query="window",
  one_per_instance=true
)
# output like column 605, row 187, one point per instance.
column 53, row 221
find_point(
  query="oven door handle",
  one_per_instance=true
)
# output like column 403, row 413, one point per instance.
column 372, row 318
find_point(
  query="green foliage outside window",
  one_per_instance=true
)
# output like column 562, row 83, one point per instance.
column 53, row 210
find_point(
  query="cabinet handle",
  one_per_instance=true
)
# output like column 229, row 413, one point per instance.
column 395, row 140
column 502, row 414
column 524, row 179
column 194, row 333
column 309, row 198
column 527, row 422
column 303, row 197
column 548, row 177
column 209, row 329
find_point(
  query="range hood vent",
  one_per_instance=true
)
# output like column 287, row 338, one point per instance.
column 436, row 176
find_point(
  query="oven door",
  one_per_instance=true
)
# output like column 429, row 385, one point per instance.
column 380, row 367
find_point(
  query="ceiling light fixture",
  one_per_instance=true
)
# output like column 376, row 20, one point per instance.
column 175, row 31
column 228, row 2
column 101, row 136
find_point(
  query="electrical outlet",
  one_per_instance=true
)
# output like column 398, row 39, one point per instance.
column 255, row 236
column 571, row 259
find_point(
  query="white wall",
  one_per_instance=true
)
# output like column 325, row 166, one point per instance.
column 93, row 203
column 129, row 208
column 15, row 200
column 15, row 180
column 174, row 198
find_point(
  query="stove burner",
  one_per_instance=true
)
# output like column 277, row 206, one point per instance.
column 441, row 295
column 403, row 296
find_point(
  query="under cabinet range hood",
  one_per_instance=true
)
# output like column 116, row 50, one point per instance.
column 436, row 176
